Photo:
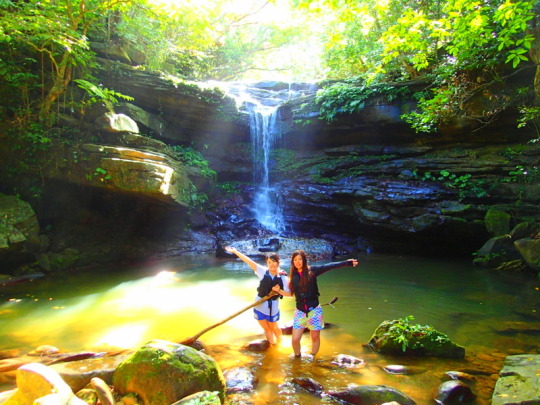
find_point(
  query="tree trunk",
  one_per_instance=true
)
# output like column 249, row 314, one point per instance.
column 534, row 30
column 62, row 78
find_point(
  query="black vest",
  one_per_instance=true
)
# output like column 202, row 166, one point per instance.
column 266, row 284
column 306, row 299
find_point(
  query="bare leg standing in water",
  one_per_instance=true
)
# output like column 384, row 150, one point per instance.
column 271, row 278
column 308, row 313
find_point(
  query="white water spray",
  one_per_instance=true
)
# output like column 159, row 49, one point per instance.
column 265, row 135
column 266, row 131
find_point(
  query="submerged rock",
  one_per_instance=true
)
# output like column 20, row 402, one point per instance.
column 371, row 395
column 454, row 392
column 459, row 375
column 240, row 379
column 347, row 361
column 404, row 370
column 309, row 384
column 259, row 345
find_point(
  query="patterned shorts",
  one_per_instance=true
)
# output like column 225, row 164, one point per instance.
column 313, row 320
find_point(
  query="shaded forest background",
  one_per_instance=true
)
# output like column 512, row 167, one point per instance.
column 451, row 58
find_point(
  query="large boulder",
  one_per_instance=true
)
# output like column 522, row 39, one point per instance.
column 162, row 373
column 39, row 384
column 520, row 245
column 497, row 222
column 497, row 250
column 133, row 165
column 19, row 232
column 116, row 123
column 400, row 337
column 530, row 252
column 519, row 382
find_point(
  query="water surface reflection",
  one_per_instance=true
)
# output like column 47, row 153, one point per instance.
column 127, row 307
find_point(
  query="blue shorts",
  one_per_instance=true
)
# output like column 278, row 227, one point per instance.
column 263, row 317
column 313, row 320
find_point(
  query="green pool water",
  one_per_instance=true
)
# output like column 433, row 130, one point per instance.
column 99, row 309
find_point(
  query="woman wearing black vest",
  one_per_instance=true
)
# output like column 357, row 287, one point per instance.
column 303, row 285
column 271, row 278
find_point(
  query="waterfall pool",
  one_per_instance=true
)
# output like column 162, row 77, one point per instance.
column 125, row 307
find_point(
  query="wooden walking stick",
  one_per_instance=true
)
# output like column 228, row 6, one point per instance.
column 193, row 338
column 331, row 302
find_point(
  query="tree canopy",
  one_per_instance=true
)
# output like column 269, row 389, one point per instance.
column 457, row 45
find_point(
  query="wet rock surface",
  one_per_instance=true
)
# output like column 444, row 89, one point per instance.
column 519, row 382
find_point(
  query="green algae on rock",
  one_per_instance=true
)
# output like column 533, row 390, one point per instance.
column 162, row 373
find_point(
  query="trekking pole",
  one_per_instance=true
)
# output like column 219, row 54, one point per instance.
column 193, row 338
column 332, row 301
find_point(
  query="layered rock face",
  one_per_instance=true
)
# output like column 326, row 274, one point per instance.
column 368, row 182
column 365, row 182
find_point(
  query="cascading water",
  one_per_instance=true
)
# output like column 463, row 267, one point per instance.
column 263, row 108
column 265, row 133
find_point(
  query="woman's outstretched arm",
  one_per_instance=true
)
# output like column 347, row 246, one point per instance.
column 242, row 257
column 323, row 268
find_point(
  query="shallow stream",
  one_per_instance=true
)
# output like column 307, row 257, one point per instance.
column 126, row 307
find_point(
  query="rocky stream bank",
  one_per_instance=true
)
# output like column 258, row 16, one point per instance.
column 165, row 373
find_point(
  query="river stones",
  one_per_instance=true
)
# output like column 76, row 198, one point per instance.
column 454, row 392
column 39, row 384
column 200, row 398
column 78, row 374
column 404, row 370
column 371, row 395
column 103, row 391
column 309, row 384
column 347, row 361
column 259, row 345
column 459, row 375
column 240, row 379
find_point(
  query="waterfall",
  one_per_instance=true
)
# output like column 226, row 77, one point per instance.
column 265, row 134
column 262, row 105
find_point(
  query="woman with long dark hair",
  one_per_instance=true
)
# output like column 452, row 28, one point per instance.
column 271, row 278
column 303, row 286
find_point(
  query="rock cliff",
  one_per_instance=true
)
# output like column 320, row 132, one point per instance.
column 364, row 182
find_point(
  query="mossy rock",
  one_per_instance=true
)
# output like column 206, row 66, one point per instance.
column 162, row 372
column 497, row 222
column 201, row 398
column 400, row 337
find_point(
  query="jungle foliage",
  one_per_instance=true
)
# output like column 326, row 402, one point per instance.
column 457, row 48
